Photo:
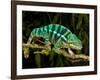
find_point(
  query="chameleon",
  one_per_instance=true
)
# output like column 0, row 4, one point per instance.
column 58, row 35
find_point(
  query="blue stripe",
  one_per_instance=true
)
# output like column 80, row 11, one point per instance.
column 64, row 38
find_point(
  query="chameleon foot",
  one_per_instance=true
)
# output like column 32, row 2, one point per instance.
column 70, row 52
column 26, row 53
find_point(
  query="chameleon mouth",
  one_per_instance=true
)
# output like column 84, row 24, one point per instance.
column 80, row 47
column 77, row 47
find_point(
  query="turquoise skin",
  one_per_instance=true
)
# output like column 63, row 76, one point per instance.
column 58, row 35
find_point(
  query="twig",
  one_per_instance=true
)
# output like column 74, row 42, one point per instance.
column 75, row 57
column 33, row 46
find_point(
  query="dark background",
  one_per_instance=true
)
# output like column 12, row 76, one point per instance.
column 77, row 23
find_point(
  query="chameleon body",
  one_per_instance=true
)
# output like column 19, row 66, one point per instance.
column 58, row 35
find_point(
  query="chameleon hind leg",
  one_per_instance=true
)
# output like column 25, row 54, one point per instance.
column 57, row 50
column 69, row 50
column 60, row 45
column 57, row 47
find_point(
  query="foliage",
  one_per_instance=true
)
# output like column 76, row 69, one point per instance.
column 77, row 23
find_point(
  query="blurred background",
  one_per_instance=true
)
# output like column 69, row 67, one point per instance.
column 77, row 23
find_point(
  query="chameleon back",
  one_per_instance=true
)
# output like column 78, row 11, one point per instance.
column 52, row 32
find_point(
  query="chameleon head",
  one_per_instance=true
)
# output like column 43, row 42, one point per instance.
column 74, row 42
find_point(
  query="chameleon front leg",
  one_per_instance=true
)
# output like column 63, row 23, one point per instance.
column 30, row 39
column 70, row 52
column 26, row 49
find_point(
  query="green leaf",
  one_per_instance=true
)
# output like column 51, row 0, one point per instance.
column 49, row 18
column 86, row 18
column 51, row 58
column 38, row 60
column 78, row 26
column 59, row 61
column 73, row 20
column 56, row 17
column 51, row 55
column 67, row 62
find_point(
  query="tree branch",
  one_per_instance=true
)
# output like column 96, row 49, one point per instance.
column 75, row 57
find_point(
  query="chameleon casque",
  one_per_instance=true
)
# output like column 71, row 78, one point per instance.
column 57, row 35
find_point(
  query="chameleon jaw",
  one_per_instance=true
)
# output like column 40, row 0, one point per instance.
column 78, row 47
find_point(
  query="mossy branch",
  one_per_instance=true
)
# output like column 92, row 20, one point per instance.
column 33, row 46
column 73, row 58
